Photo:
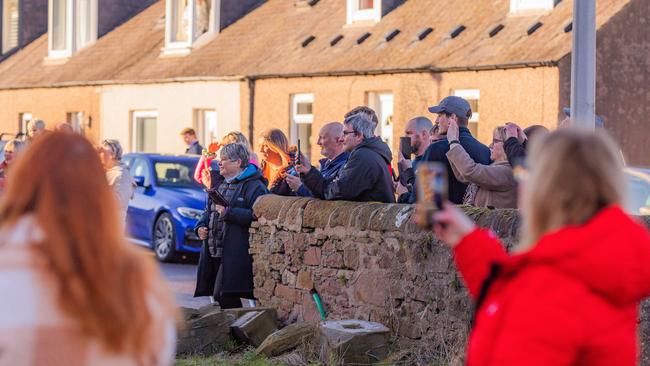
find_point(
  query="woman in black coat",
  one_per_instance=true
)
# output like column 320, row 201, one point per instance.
column 225, row 266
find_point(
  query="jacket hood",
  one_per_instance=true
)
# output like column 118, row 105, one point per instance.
column 251, row 172
column 377, row 145
column 610, row 254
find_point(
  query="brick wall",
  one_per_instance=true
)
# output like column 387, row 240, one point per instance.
column 50, row 105
column 527, row 96
column 622, row 77
column 368, row 261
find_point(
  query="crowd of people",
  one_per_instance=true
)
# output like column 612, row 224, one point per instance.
column 568, row 294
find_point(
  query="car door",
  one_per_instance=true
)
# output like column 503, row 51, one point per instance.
column 142, row 208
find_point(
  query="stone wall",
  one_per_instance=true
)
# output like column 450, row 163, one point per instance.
column 367, row 261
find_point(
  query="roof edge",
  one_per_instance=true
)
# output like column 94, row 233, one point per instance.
column 125, row 82
column 424, row 69
column 417, row 70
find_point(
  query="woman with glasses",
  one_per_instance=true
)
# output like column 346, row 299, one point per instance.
column 117, row 174
column 570, row 292
column 225, row 267
column 491, row 185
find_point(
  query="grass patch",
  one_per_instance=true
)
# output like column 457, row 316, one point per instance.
column 247, row 358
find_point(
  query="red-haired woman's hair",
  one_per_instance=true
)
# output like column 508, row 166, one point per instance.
column 107, row 285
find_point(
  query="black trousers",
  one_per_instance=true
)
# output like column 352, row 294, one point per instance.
column 228, row 300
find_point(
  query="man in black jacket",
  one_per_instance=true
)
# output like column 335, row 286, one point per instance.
column 366, row 175
column 459, row 110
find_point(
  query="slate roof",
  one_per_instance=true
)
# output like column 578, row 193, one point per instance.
column 271, row 41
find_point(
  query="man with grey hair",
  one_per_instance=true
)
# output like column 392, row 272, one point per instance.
column 366, row 176
column 35, row 128
column 117, row 173
column 330, row 140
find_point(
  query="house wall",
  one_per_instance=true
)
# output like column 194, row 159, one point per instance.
column 622, row 78
column 50, row 105
column 175, row 104
column 526, row 96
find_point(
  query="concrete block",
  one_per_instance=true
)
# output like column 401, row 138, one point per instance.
column 253, row 327
column 353, row 342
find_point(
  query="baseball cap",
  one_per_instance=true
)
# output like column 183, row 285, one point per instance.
column 453, row 104
column 600, row 123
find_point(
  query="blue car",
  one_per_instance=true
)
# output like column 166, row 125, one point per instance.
column 166, row 204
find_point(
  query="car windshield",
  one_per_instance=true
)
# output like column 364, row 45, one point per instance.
column 638, row 199
column 175, row 174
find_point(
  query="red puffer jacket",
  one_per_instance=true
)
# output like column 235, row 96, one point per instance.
column 571, row 300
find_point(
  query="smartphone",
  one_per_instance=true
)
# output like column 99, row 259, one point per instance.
column 217, row 197
column 405, row 147
column 299, row 154
column 293, row 171
column 432, row 190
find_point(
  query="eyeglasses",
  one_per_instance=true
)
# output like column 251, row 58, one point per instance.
column 348, row 132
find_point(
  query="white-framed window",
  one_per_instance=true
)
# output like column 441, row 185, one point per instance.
column 302, row 117
column 76, row 120
column 72, row 26
column 10, row 25
column 472, row 96
column 383, row 103
column 205, row 125
column 23, row 120
column 144, row 131
column 522, row 5
column 187, row 21
column 364, row 10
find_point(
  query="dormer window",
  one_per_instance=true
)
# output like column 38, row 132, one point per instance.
column 72, row 26
column 364, row 11
column 524, row 5
column 10, row 24
column 187, row 22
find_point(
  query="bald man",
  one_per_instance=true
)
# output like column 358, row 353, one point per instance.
column 330, row 140
column 419, row 130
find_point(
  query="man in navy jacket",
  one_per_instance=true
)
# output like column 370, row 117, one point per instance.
column 330, row 140
column 458, row 109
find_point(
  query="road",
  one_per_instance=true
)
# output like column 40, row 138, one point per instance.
column 182, row 278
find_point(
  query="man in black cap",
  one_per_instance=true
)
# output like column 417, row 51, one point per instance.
column 459, row 110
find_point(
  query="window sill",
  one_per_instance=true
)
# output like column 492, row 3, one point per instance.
column 55, row 60
column 176, row 51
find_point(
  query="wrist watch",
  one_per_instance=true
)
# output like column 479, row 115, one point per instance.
column 454, row 142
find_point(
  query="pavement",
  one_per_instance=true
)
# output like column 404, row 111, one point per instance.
column 182, row 278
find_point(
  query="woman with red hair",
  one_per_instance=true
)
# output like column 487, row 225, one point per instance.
column 73, row 291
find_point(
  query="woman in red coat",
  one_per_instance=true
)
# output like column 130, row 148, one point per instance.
column 569, row 295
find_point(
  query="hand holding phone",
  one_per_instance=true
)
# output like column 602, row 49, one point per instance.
column 432, row 191
column 405, row 147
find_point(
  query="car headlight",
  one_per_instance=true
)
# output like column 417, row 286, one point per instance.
column 190, row 213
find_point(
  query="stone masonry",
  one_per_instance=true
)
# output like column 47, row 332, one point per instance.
column 368, row 261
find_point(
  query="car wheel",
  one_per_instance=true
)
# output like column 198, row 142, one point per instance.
column 164, row 243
